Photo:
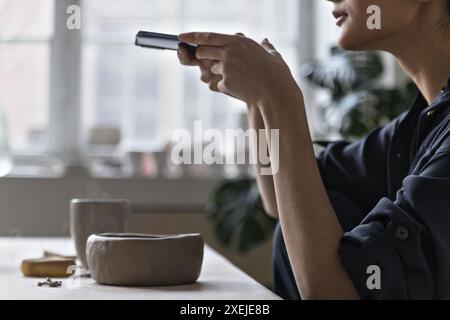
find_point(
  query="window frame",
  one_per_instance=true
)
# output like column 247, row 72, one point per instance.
column 65, row 88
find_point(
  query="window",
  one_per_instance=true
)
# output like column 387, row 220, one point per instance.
column 146, row 93
column 143, row 94
column 26, row 28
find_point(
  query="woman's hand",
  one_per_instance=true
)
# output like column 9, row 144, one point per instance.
column 238, row 66
column 205, row 68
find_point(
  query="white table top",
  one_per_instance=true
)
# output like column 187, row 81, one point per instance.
column 219, row 279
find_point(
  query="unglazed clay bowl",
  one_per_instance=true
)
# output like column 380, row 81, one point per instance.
column 144, row 260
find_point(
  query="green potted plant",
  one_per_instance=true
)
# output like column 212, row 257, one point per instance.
column 238, row 214
column 357, row 103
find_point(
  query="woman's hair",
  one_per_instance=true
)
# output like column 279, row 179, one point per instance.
column 448, row 6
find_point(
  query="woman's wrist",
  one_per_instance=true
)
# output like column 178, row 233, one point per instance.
column 284, row 108
column 286, row 112
column 281, row 99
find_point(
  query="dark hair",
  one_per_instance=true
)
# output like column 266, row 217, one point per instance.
column 448, row 6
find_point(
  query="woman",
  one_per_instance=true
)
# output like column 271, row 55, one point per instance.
column 369, row 219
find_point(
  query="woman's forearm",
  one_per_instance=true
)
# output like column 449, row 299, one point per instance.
column 310, row 227
column 265, row 182
column 257, row 75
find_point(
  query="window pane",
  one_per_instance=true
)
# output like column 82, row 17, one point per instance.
column 24, row 79
column 26, row 19
column 26, row 27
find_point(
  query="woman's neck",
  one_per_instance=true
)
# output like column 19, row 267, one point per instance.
column 429, row 67
column 424, row 53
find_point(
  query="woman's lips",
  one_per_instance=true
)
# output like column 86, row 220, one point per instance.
column 340, row 16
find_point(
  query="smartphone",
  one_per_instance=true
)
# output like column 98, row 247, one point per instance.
column 162, row 41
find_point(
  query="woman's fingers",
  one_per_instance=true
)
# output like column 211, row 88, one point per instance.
column 213, row 84
column 206, row 38
column 217, row 68
column 205, row 69
column 209, row 53
column 207, row 76
column 269, row 47
column 186, row 58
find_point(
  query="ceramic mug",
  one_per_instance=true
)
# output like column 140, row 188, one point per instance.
column 94, row 216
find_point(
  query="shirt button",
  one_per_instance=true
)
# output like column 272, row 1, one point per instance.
column 401, row 233
column 430, row 113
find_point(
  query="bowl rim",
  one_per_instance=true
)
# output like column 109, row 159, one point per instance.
column 142, row 236
column 98, row 201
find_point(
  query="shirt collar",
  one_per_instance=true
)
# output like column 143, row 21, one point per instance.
column 422, row 112
column 439, row 108
column 418, row 107
column 444, row 95
column 423, row 117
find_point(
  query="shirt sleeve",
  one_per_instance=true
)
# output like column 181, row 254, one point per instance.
column 407, row 239
column 346, row 167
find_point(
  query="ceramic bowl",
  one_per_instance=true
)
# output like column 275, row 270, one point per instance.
column 144, row 260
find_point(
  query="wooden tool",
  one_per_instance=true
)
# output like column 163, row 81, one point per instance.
column 53, row 266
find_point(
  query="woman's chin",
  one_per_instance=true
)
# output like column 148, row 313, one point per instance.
column 352, row 38
column 345, row 43
column 348, row 42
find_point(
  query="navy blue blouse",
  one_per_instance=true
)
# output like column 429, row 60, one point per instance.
column 399, row 178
